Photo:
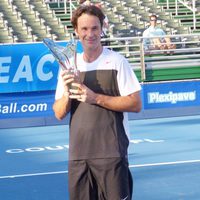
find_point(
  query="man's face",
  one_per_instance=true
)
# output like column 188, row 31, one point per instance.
column 153, row 21
column 89, row 31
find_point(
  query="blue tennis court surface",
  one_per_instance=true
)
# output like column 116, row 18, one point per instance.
column 164, row 157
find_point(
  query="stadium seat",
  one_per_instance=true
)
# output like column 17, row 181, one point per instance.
column 126, row 17
column 30, row 21
column 184, row 15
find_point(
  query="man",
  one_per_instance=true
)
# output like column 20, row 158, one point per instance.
column 105, row 28
column 156, row 43
column 98, row 163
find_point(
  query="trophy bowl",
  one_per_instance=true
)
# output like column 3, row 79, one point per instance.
column 65, row 56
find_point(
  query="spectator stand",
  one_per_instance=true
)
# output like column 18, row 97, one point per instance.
column 162, row 65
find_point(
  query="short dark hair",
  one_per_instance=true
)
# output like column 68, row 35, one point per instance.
column 90, row 10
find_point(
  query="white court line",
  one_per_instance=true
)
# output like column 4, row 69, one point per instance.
column 130, row 166
column 165, row 163
column 36, row 174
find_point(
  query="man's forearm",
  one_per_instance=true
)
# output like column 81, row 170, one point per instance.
column 62, row 106
column 131, row 103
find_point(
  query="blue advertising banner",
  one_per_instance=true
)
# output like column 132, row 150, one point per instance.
column 28, row 104
column 28, row 67
column 171, row 94
column 154, row 95
column 28, row 78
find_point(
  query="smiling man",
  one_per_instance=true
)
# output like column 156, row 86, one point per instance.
column 107, row 89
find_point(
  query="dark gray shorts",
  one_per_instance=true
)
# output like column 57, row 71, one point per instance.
column 100, row 179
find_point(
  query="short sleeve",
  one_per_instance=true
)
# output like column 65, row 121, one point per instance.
column 127, row 80
column 59, row 88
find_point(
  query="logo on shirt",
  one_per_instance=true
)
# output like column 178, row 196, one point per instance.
column 108, row 62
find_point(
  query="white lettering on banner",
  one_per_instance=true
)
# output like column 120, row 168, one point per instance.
column 33, row 107
column 171, row 97
column 4, row 69
column 24, row 70
column 14, row 108
column 41, row 75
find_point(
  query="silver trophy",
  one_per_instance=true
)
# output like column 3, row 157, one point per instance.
column 65, row 56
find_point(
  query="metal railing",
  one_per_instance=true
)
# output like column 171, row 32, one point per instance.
column 191, row 7
column 66, row 2
column 185, row 55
